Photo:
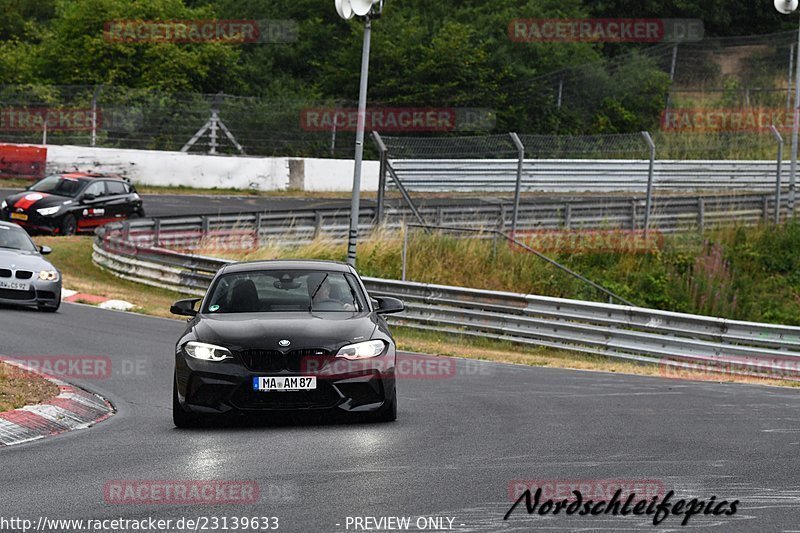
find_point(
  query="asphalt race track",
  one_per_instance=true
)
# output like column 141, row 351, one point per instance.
column 459, row 442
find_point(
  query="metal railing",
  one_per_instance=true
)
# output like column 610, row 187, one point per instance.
column 632, row 333
column 672, row 214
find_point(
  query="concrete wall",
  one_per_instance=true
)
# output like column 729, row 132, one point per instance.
column 150, row 167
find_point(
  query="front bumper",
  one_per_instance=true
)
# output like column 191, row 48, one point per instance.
column 342, row 386
column 41, row 294
column 35, row 223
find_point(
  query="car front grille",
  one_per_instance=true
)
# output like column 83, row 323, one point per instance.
column 24, row 274
column 324, row 397
column 276, row 361
column 8, row 294
column 5, row 273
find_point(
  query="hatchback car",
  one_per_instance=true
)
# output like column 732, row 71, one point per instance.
column 26, row 278
column 285, row 337
column 65, row 204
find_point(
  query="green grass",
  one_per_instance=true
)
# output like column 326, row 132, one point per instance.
column 738, row 273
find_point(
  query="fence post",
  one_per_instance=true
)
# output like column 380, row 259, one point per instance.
column 650, row 173
column 405, row 251
column 384, row 158
column 518, row 188
column 779, row 140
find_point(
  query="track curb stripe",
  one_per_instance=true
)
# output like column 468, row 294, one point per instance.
column 73, row 408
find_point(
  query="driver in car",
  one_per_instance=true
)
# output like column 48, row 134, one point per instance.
column 330, row 295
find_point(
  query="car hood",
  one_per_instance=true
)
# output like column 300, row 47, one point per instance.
column 304, row 330
column 28, row 200
column 23, row 260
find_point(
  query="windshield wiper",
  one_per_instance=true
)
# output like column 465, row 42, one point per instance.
column 311, row 303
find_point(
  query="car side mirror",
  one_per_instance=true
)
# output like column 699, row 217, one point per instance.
column 388, row 306
column 88, row 197
column 45, row 250
column 184, row 307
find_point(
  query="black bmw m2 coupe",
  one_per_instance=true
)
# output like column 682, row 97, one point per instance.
column 285, row 337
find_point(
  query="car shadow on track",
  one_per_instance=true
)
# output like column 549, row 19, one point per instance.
column 285, row 421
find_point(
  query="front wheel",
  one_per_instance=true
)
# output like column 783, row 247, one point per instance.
column 69, row 226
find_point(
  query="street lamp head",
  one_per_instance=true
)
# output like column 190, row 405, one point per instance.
column 786, row 6
column 349, row 8
column 344, row 9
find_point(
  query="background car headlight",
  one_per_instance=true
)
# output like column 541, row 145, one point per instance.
column 47, row 211
column 3, row 205
column 206, row 352
column 48, row 275
column 362, row 350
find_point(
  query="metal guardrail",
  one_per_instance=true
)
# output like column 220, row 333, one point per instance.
column 638, row 334
column 584, row 175
column 670, row 214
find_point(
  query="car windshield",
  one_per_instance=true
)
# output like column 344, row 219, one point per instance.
column 60, row 185
column 276, row 291
column 15, row 239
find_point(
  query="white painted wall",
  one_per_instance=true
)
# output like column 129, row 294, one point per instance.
column 151, row 167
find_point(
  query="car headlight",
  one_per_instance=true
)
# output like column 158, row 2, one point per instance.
column 207, row 352
column 47, row 211
column 3, row 205
column 362, row 350
column 48, row 275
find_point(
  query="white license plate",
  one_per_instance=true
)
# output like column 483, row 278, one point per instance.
column 15, row 285
column 284, row 383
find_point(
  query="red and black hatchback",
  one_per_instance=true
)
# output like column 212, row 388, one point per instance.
column 65, row 204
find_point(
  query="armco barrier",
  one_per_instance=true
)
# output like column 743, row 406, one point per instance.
column 675, row 340
column 670, row 214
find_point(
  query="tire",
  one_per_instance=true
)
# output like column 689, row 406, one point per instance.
column 181, row 418
column 387, row 413
column 69, row 226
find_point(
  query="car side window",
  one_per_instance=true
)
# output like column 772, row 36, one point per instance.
column 97, row 188
column 116, row 188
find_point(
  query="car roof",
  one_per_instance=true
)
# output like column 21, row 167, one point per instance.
column 298, row 264
column 90, row 176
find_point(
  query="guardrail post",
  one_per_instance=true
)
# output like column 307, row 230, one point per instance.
column 317, row 224
column 439, row 216
column 701, row 214
column 157, row 232
column 765, row 208
column 257, row 236
column 518, row 187
column 634, row 214
column 650, row 174
column 568, row 216
column 779, row 140
column 384, row 159
column 126, row 230
column 501, row 222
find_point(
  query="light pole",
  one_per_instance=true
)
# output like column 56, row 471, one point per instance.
column 787, row 7
column 368, row 9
